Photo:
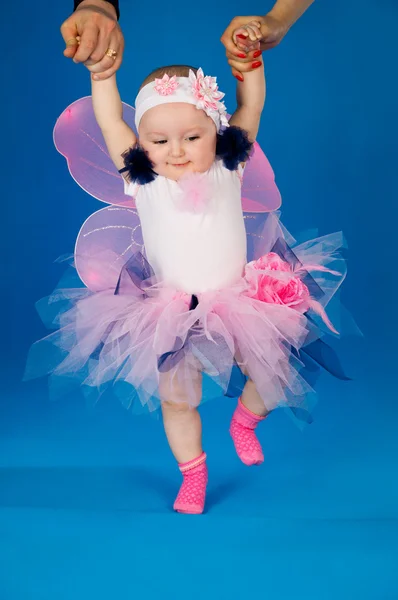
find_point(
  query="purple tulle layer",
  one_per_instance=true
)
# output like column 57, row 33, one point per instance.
column 151, row 343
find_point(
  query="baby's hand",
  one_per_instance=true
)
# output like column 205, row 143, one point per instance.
column 89, row 64
column 247, row 38
column 247, row 56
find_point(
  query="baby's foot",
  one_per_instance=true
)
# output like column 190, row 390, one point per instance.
column 247, row 446
column 192, row 494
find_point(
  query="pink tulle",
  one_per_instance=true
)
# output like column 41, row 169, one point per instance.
column 273, row 280
column 226, row 325
column 158, row 346
column 195, row 193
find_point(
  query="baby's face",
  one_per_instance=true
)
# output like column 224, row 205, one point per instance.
column 179, row 139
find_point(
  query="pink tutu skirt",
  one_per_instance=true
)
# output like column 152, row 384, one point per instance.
column 151, row 343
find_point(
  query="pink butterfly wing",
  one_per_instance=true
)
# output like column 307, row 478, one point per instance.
column 259, row 191
column 79, row 139
column 107, row 239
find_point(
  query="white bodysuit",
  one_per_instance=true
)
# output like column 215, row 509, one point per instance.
column 193, row 251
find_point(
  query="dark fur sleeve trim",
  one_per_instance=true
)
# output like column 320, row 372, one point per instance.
column 138, row 166
column 233, row 147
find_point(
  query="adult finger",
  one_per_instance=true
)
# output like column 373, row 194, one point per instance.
column 116, row 64
column 236, row 72
column 71, row 48
column 244, row 57
column 244, row 67
column 109, row 37
column 69, row 33
column 106, row 62
column 227, row 36
column 237, row 54
column 88, row 42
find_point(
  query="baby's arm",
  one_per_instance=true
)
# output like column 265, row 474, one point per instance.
column 250, row 99
column 108, row 111
column 251, row 89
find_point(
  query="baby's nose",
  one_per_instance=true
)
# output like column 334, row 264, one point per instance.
column 176, row 148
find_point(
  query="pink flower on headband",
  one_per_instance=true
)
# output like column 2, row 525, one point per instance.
column 167, row 85
column 205, row 91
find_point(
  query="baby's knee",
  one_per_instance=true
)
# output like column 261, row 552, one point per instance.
column 176, row 406
column 180, row 393
column 172, row 392
column 174, row 395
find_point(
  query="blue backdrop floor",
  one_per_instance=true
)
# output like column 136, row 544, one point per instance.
column 86, row 495
column 86, row 500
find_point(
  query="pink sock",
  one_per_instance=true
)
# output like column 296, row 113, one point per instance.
column 242, row 429
column 191, row 497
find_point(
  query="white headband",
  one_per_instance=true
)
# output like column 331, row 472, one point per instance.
column 197, row 89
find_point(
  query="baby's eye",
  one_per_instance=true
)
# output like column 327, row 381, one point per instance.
column 193, row 138
column 160, row 142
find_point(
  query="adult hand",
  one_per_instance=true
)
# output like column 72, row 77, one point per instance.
column 89, row 33
column 257, row 35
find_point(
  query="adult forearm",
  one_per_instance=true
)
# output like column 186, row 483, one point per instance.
column 289, row 11
column 100, row 3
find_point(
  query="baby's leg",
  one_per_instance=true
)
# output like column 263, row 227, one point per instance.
column 248, row 414
column 252, row 400
column 183, row 429
column 180, row 392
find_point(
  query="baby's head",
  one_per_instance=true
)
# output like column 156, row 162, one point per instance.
column 178, row 116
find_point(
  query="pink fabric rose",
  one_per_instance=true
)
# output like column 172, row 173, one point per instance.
column 272, row 280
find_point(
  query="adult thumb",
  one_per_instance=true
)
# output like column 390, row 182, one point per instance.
column 69, row 33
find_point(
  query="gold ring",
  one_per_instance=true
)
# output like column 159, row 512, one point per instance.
column 111, row 53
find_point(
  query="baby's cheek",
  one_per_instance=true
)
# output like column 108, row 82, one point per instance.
column 150, row 149
column 153, row 155
column 207, row 155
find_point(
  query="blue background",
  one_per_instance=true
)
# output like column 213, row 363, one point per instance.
column 86, row 494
